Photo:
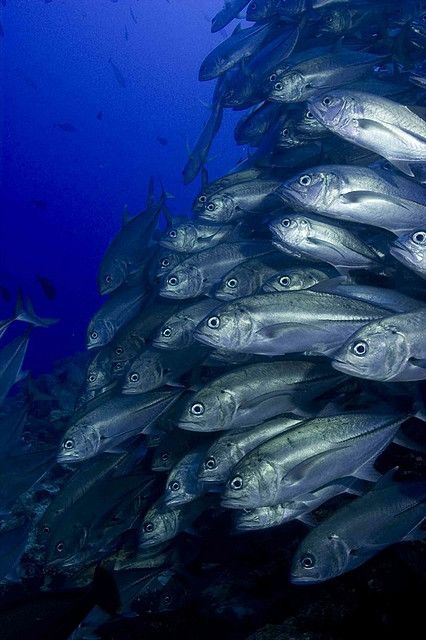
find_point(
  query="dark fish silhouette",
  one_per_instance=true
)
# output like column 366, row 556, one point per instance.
column 40, row 204
column 132, row 13
column 1, row 30
column 47, row 286
column 5, row 294
column 99, row 115
column 118, row 74
column 66, row 126
column 126, row 33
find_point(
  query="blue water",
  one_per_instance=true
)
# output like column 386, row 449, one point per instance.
column 62, row 193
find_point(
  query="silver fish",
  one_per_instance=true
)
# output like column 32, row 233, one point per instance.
column 163, row 522
column 294, row 279
column 410, row 249
column 177, row 331
column 192, row 237
column 248, row 277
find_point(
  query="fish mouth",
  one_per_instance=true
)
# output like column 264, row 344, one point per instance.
column 399, row 249
column 231, row 503
column 209, row 340
column 165, row 293
column 128, row 391
column 67, row 458
column 187, row 425
column 158, row 344
column 303, row 580
column 345, row 367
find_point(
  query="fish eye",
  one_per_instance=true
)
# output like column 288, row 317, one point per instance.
column 92, row 377
column 329, row 19
column 309, row 115
column 165, row 262
column 213, row 322
column 166, row 332
column 167, row 599
column 165, row 456
column 108, row 279
column 253, row 6
column 278, row 86
column 272, row 77
column 118, row 366
column 307, row 561
column 211, row 206
column 60, row 547
column 46, row 529
column 174, row 486
column 134, row 377
column 148, row 527
column 210, row 463
column 94, row 335
column 303, row 222
column 326, row 101
column 285, row 132
column 286, row 222
column 237, row 483
column 305, row 181
column 172, row 281
column 119, row 351
column 419, row 237
column 69, row 444
column 232, row 283
column 197, row 409
column 360, row 348
column 173, row 233
column 285, row 281
column 202, row 199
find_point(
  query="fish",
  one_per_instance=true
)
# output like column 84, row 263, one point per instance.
column 171, row 449
column 198, row 156
column 111, row 423
column 118, row 74
column 47, row 287
column 410, row 249
column 133, row 15
column 68, row 127
column 357, row 194
column 163, row 522
column 194, row 236
column 294, row 279
column 57, row 613
column 227, row 450
column 376, row 123
column 305, row 237
column 177, row 331
column 286, row 322
column 198, row 273
column 231, row 9
column 251, row 128
column 11, row 359
column 248, row 277
column 249, row 395
column 391, row 512
column 119, row 309
column 39, row 203
column 310, row 455
column 183, row 484
column 226, row 181
column 392, row 349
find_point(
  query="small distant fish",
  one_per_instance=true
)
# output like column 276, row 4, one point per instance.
column 132, row 13
column 162, row 140
column 5, row 294
column 66, row 126
column 118, row 74
column 99, row 115
column 126, row 33
column 40, row 204
column 1, row 30
column 48, row 287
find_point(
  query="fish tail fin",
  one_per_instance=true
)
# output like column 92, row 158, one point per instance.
column 27, row 314
column 105, row 591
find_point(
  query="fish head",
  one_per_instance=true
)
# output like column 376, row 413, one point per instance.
column 185, row 281
column 111, row 276
column 292, row 229
column 98, row 373
column 259, row 10
column 99, row 333
column 79, row 443
column 219, row 460
column 235, row 285
column 410, row 248
column 180, row 238
column 219, row 208
column 288, row 87
column 167, row 261
column 174, row 334
column 336, row 21
column 145, row 374
column 311, row 188
column 377, row 351
column 336, row 110
column 178, row 490
column 158, row 525
column 209, row 410
column 319, row 557
column 226, row 329
column 253, row 483
column 262, row 517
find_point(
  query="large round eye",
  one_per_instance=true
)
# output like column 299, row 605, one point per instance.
column 60, row 547
column 213, row 322
column 118, row 366
column 211, row 206
column 165, row 456
column 307, row 561
column 148, row 527
column 94, row 335
column 119, row 351
column 92, row 377
column 329, row 19
column 173, row 233
column 419, row 237
column 253, row 6
column 272, row 77
column 232, row 283
column 286, row 222
column 326, row 101
column 305, row 180
column 202, row 199
column 360, row 348
column 278, row 86
column 69, row 444
column 46, row 529
column 303, row 222
column 174, row 486
column 309, row 115
column 167, row 599
column 134, row 377
column 237, row 483
column 108, row 279
column 165, row 262
column 285, row 281
column 172, row 281
column 197, row 409
column 210, row 463
column 285, row 132
column 166, row 332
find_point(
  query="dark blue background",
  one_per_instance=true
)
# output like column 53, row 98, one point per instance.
column 55, row 70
